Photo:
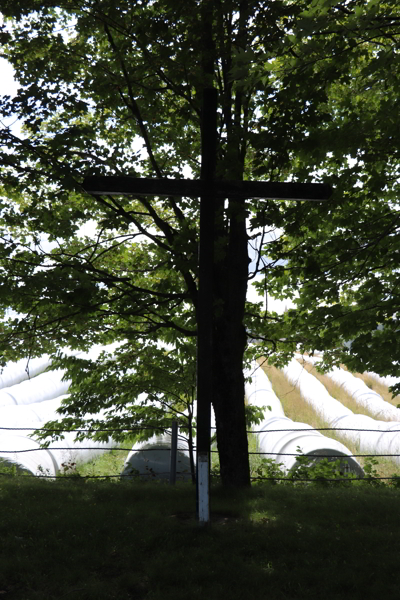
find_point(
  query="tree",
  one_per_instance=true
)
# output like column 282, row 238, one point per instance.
column 141, row 390
column 114, row 74
column 342, row 256
column 97, row 79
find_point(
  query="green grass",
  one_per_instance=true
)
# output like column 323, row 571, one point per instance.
column 94, row 540
column 110, row 463
column 98, row 539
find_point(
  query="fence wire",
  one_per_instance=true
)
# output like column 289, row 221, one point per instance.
column 323, row 479
column 74, row 477
column 118, row 448
column 153, row 427
column 83, row 477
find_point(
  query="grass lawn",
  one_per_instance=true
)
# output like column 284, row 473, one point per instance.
column 78, row 539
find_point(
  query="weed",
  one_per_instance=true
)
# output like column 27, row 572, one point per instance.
column 9, row 469
column 42, row 471
column 371, row 473
column 267, row 470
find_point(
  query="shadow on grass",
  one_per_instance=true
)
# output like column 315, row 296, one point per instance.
column 98, row 540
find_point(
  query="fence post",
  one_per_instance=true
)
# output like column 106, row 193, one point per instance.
column 174, row 446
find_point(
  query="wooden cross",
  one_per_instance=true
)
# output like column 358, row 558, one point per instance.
column 207, row 188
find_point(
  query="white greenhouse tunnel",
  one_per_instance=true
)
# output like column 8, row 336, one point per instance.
column 361, row 393
column 28, row 382
column 260, row 393
column 388, row 380
column 371, row 435
column 28, row 405
column 43, row 387
column 32, row 414
column 152, row 458
column 23, row 452
column 18, row 449
column 24, row 369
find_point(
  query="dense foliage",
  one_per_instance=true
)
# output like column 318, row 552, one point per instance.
column 343, row 255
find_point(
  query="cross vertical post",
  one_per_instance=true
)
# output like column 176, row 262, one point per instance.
column 205, row 307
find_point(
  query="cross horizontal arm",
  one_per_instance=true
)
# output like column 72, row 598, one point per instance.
column 108, row 185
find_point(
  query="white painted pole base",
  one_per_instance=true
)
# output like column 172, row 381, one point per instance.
column 203, row 487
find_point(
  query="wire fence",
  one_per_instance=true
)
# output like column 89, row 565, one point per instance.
column 133, row 429
column 151, row 427
column 164, row 429
column 166, row 473
column 119, row 448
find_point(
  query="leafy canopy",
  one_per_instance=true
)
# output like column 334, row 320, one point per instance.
column 307, row 91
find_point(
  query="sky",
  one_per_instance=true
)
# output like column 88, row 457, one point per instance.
column 8, row 86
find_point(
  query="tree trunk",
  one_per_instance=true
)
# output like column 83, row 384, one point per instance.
column 230, row 287
column 229, row 407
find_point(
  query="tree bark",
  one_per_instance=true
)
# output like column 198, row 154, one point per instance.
column 229, row 406
column 230, row 287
